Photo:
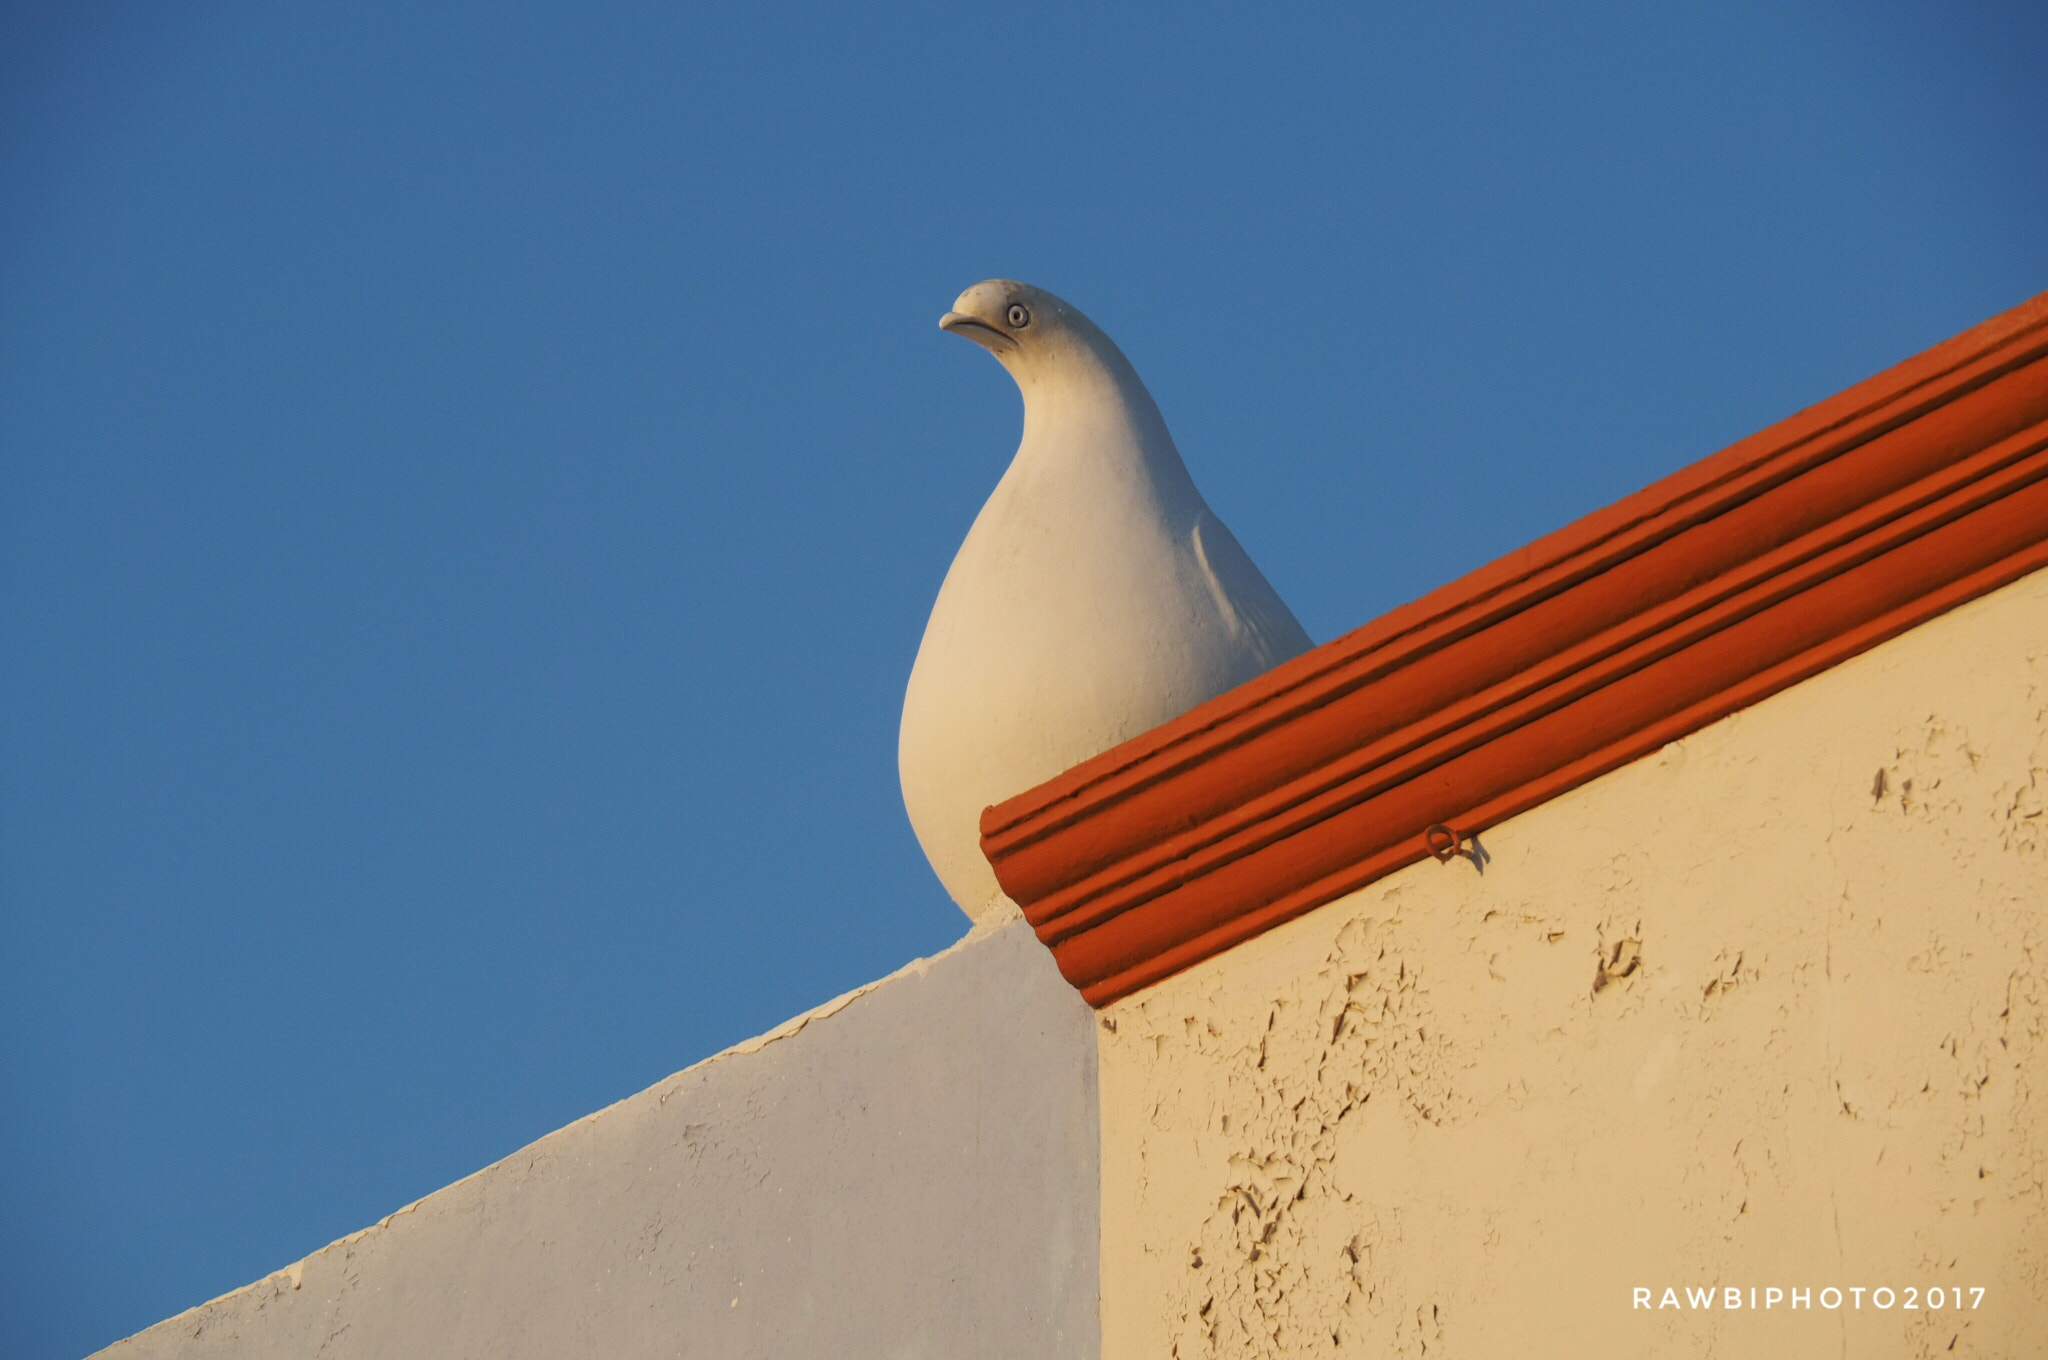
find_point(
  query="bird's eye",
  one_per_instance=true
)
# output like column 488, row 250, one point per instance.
column 1019, row 316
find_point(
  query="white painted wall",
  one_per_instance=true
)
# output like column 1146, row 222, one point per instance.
column 1410, row 1123
column 909, row 1171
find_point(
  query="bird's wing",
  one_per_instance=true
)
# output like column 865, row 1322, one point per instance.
column 1243, row 593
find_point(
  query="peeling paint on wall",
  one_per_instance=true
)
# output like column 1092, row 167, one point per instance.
column 1764, row 1009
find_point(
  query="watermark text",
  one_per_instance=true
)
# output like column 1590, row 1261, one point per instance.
column 1766, row 1298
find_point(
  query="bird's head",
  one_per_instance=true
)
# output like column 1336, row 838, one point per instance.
column 1004, row 316
column 1063, row 363
column 1030, row 331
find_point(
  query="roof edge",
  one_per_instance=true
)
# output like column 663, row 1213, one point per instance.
column 1746, row 572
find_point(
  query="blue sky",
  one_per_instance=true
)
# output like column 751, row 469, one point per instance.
column 472, row 478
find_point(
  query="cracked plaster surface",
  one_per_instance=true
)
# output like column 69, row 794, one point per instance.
column 1765, row 1008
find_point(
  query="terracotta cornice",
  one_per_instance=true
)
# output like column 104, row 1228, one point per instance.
column 1749, row 571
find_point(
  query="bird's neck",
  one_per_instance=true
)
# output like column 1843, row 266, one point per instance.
column 1090, row 408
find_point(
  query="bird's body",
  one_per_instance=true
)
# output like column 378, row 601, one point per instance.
column 1096, row 595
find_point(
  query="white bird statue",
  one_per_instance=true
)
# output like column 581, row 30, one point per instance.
column 1096, row 596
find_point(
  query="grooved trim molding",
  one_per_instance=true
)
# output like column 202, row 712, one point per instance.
column 1749, row 571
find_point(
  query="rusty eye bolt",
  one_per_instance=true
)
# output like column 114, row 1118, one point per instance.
column 1443, row 843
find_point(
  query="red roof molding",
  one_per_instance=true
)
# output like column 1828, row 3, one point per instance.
column 1747, row 572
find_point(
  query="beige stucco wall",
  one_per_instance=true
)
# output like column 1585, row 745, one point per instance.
column 1412, row 1123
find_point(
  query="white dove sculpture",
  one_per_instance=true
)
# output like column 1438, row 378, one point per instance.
column 1096, row 596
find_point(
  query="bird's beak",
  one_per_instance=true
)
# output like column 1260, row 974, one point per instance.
column 979, row 331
